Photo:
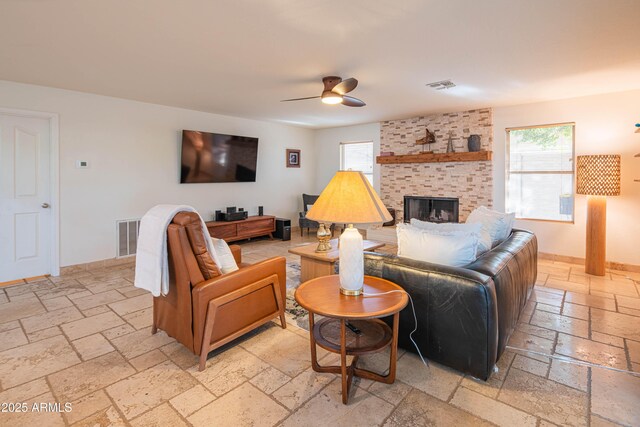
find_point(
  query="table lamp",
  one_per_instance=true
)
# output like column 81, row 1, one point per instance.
column 350, row 199
column 598, row 177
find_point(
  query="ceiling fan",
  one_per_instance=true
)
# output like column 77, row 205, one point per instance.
column 335, row 90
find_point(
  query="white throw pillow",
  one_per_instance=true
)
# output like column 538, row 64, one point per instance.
column 484, row 243
column 225, row 260
column 497, row 224
column 509, row 219
column 454, row 248
column 484, row 239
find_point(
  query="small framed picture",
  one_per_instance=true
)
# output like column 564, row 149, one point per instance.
column 293, row 158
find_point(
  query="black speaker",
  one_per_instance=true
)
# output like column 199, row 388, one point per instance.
column 233, row 216
column 286, row 232
column 218, row 216
column 260, row 211
column 282, row 224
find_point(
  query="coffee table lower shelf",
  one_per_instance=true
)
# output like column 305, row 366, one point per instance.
column 375, row 335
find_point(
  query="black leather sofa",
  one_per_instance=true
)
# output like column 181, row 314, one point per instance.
column 465, row 315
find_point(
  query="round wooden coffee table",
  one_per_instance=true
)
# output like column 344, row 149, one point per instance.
column 351, row 325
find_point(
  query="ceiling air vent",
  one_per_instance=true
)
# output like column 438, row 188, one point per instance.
column 444, row 84
column 127, row 237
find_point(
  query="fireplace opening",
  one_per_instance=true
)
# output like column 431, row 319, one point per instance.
column 432, row 209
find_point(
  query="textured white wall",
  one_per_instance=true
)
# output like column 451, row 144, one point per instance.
column 327, row 142
column 604, row 125
column 133, row 149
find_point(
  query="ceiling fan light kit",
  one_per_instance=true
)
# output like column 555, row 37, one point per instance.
column 335, row 90
column 329, row 97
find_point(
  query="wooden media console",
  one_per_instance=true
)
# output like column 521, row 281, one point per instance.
column 253, row 226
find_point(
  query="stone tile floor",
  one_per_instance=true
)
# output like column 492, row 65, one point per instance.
column 84, row 338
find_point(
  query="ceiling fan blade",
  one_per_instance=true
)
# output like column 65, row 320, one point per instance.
column 345, row 86
column 299, row 99
column 350, row 101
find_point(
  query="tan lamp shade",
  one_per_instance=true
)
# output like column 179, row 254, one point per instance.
column 598, row 175
column 349, row 198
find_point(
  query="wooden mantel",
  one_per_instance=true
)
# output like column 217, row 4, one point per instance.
column 465, row 156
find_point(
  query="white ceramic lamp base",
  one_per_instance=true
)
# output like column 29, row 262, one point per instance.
column 351, row 262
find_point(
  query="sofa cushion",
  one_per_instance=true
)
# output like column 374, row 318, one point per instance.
column 225, row 256
column 484, row 239
column 497, row 224
column 453, row 248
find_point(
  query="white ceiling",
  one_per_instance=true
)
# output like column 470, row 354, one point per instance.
column 241, row 57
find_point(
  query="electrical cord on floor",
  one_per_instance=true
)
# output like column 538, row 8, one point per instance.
column 573, row 361
column 415, row 319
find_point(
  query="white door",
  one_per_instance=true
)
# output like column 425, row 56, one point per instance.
column 25, row 214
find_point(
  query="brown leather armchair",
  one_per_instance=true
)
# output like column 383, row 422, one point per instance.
column 205, row 309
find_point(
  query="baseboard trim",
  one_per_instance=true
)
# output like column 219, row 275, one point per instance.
column 96, row 265
column 23, row 281
column 576, row 260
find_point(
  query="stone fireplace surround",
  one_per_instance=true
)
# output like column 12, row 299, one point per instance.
column 470, row 182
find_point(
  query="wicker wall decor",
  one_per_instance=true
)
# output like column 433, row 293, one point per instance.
column 598, row 175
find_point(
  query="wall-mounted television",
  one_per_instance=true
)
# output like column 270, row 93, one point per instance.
column 215, row 157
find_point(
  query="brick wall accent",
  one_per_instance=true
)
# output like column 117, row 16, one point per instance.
column 471, row 182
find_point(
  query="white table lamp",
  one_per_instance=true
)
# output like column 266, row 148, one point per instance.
column 350, row 199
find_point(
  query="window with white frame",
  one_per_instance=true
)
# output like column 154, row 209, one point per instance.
column 357, row 156
column 540, row 172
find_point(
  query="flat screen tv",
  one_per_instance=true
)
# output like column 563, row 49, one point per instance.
column 214, row 157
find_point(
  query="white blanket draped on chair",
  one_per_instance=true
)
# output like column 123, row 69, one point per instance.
column 152, row 263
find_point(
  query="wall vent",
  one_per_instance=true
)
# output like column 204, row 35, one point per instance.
column 127, row 237
column 444, row 84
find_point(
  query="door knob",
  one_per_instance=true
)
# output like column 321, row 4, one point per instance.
column 45, row 205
